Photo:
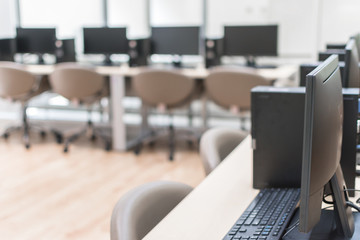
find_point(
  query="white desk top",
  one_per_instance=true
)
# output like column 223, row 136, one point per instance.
column 212, row 208
column 282, row 72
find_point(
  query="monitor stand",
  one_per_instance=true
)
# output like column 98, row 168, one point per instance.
column 338, row 224
column 107, row 61
column 176, row 61
column 40, row 59
column 324, row 230
column 251, row 62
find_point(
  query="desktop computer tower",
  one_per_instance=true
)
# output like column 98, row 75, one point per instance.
column 65, row 50
column 277, row 136
column 213, row 52
column 7, row 49
column 139, row 51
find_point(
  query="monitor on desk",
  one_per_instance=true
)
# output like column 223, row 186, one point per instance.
column 176, row 41
column 251, row 41
column 105, row 41
column 7, row 49
column 322, row 144
column 351, row 70
column 36, row 40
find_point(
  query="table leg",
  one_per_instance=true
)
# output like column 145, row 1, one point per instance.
column 117, row 90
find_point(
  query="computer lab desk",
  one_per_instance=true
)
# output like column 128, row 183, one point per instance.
column 212, row 208
column 117, row 76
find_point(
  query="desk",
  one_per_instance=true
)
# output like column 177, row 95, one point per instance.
column 212, row 208
column 117, row 89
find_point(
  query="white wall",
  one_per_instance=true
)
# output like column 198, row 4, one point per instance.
column 7, row 19
column 176, row 12
column 67, row 15
column 132, row 14
column 339, row 20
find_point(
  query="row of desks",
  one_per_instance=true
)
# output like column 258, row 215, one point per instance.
column 117, row 76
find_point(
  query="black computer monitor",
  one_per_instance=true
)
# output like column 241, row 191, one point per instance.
column 322, row 143
column 105, row 41
column 7, row 49
column 356, row 37
column 251, row 41
column 36, row 40
column 176, row 41
column 351, row 70
column 306, row 68
column 322, row 56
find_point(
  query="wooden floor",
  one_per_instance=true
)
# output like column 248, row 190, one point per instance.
column 46, row 194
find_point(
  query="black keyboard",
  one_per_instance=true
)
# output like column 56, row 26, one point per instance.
column 267, row 216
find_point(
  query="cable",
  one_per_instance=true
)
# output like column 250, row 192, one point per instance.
column 353, row 205
column 292, row 227
column 326, row 201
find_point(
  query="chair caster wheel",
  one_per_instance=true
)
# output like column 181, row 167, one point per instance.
column 59, row 139
column 107, row 146
column 171, row 158
column 27, row 145
column 93, row 138
column 152, row 144
column 5, row 135
column 42, row 134
column 190, row 143
column 66, row 149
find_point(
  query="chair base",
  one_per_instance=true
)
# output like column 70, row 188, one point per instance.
column 150, row 136
column 25, row 129
column 88, row 129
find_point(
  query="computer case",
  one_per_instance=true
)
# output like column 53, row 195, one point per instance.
column 7, row 49
column 213, row 51
column 277, row 136
column 139, row 51
column 65, row 50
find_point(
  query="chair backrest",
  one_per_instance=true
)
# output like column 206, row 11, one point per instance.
column 166, row 87
column 216, row 144
column 138, row 211
column 15, row 81
column 231, row 87
column 73, row 81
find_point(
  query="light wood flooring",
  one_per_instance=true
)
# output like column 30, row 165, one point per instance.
column 46, row 194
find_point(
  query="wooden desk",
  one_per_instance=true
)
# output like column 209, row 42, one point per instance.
column 212, row 208
column 117, row 89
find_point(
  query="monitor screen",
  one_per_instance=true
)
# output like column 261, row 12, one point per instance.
column 351, row 70
column 105, row 41
column 175, row 40
column 322, row 142
column 35, row 40
column 7, row 49
column 258, row 40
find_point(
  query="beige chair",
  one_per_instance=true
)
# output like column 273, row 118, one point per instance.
column 230, row 88
column 83, row 86
column 18, row 85
column 216, row 144
column 167, row 90
column 141, row 209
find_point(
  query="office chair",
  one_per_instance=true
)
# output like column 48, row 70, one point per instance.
column 216, row 144
column 18, row 85
column 166, row 90
column 83, row 86
column 230, row 88
column 141, row 209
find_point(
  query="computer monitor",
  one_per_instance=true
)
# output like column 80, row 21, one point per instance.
column 306, row 68
column 322, row 56
column 351, row 70
column 36, row 40
column 7, row 49
column 251, row 41
column 105, row 41
column 177, row 41
column 322, row 143
column 356, row 37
